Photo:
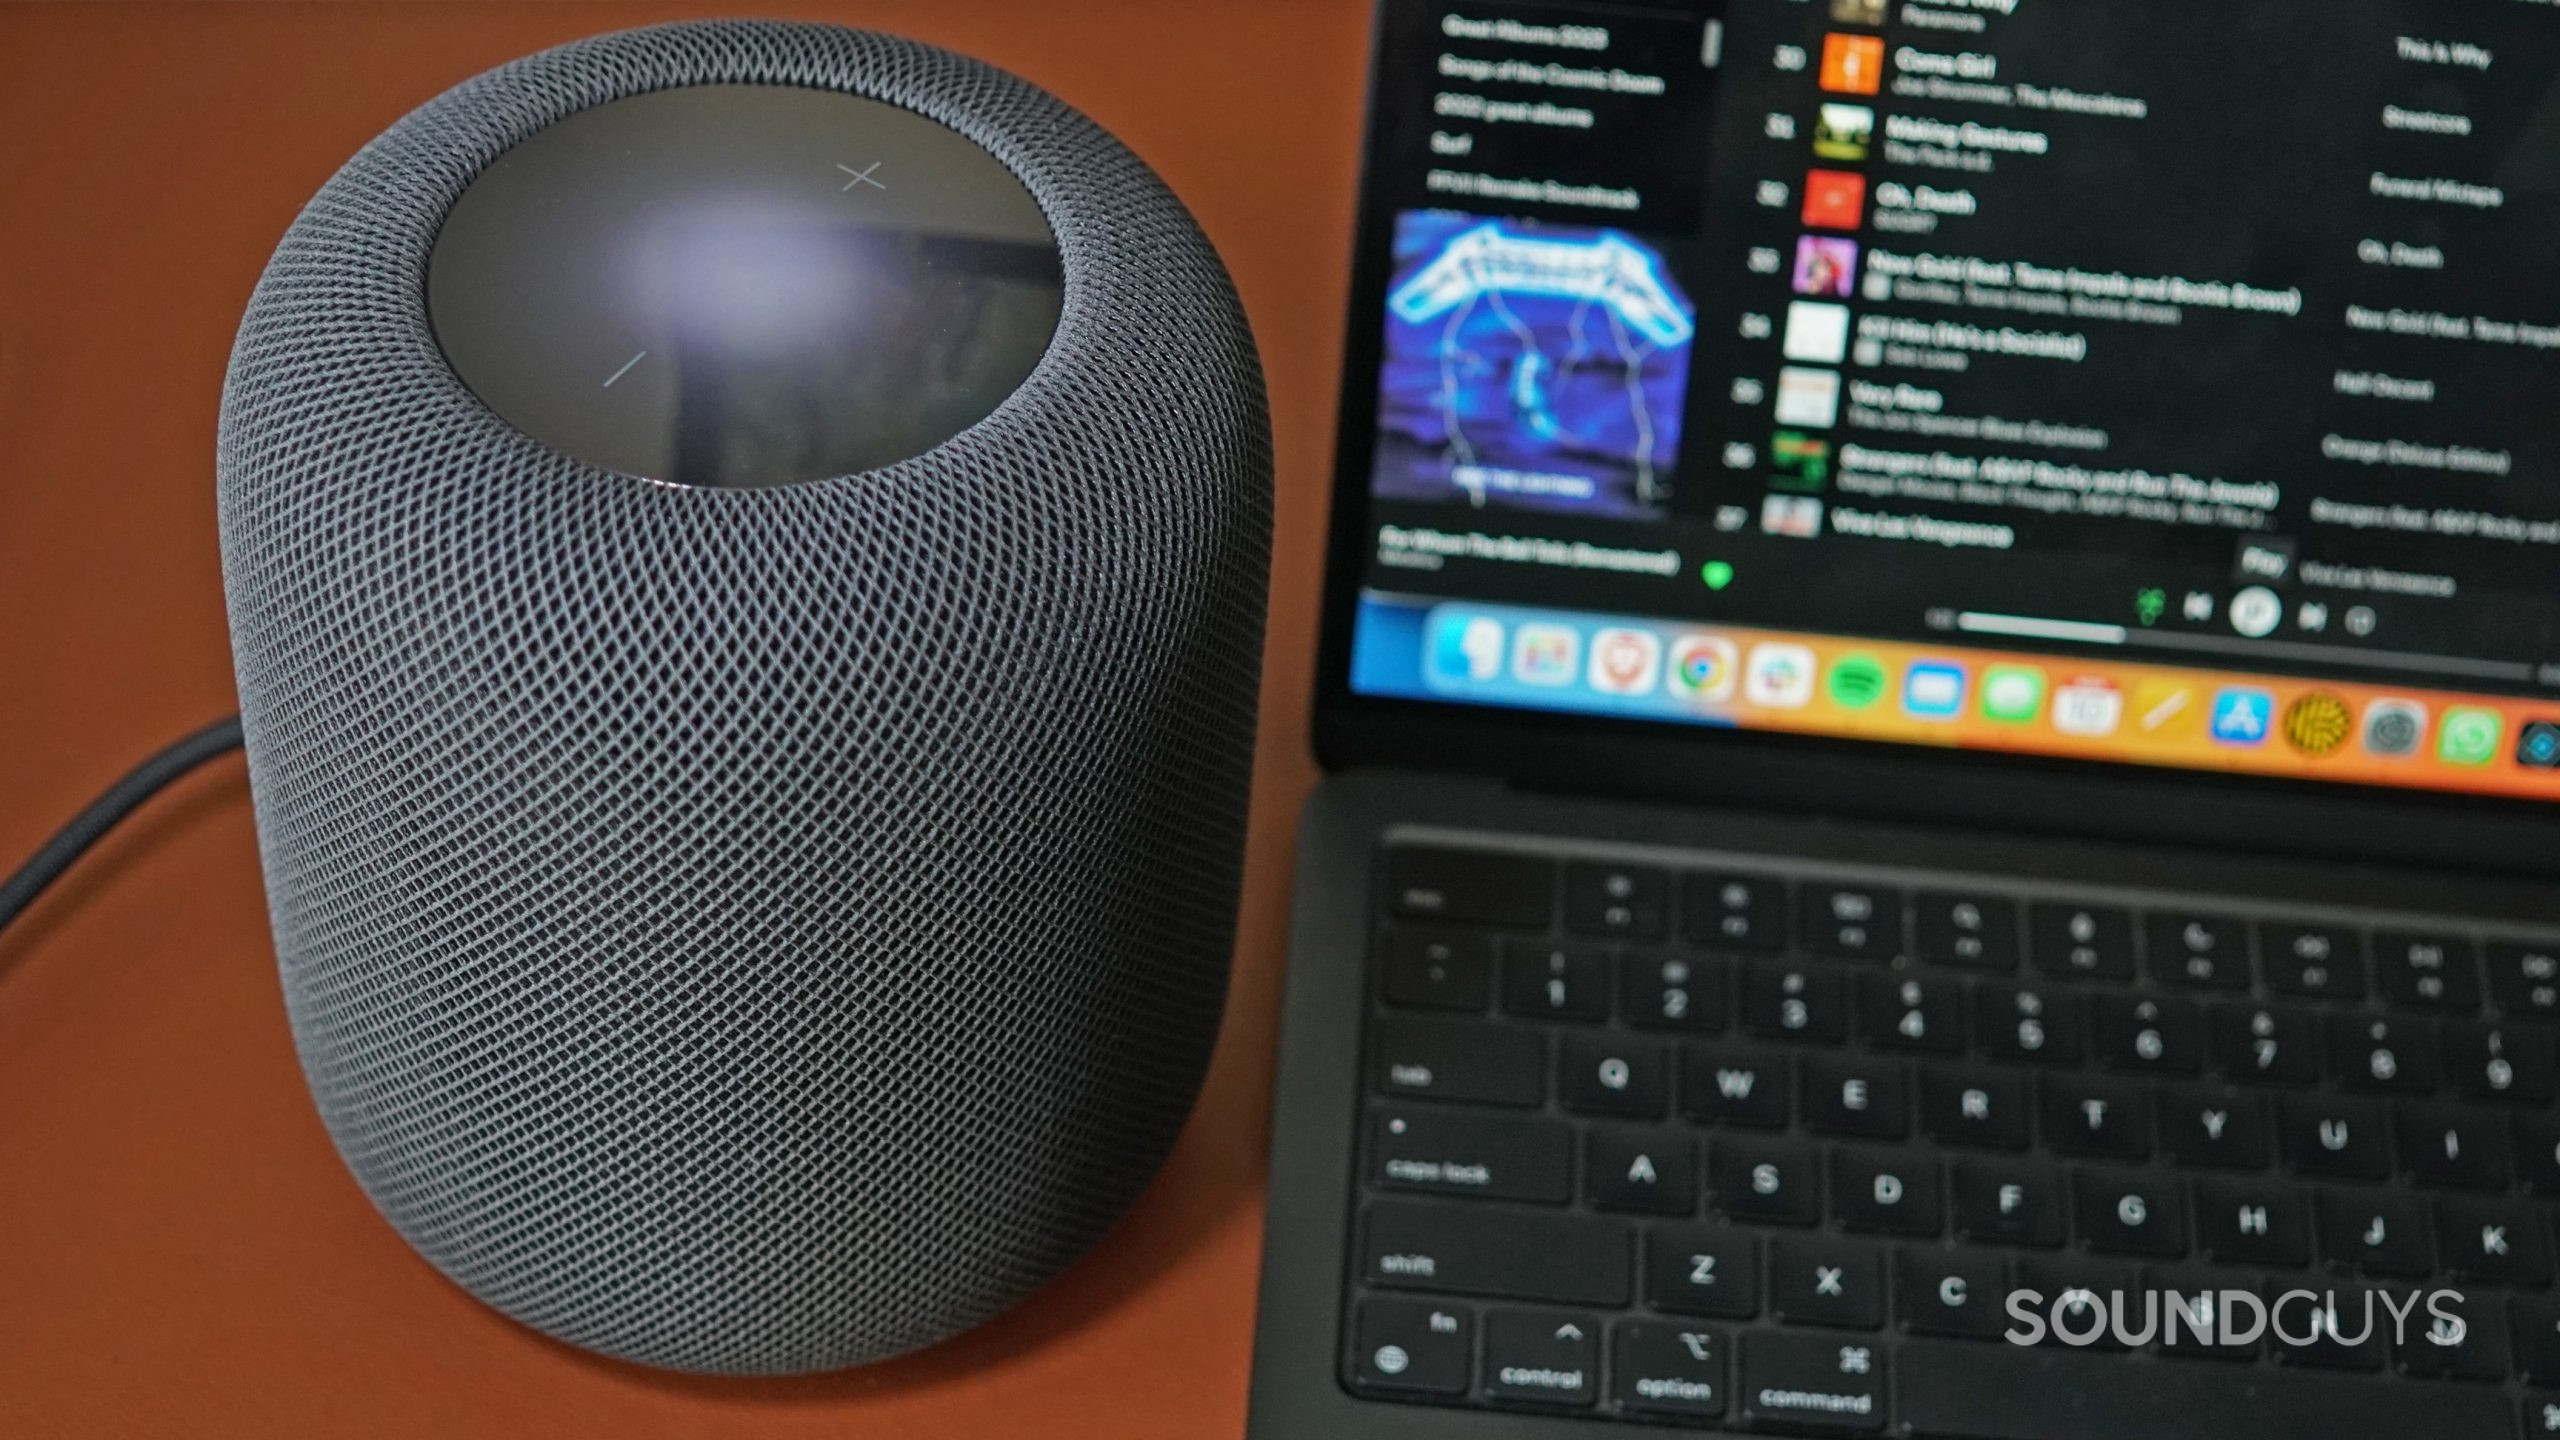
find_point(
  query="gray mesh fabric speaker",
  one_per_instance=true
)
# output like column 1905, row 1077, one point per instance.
column 749, row 930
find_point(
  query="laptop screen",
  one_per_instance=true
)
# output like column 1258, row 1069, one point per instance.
column 2173, row 383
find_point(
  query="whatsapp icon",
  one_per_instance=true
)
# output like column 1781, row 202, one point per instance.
column 2470, row 736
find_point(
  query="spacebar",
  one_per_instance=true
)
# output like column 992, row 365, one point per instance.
column 2004, row 1392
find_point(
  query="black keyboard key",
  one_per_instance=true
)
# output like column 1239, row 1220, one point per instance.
column 2209, row 952
column 2319, row 1327
column 2215, row 1127
column 1906, row 1012
column 1973, row 1106
column 2375, row 1232
column 2471, row 1345
column 2130, row 1212
column 2501, row 1240
column 1822, row 1383
column 2005, row 1203
column 1652, row 1171
column 1854, row 922
column 1436, row 969
column 2320, row 962
column 1546, row 981
column 2095, row 941
column 1733, row 912
column 1776, row 1182
column 1795, row 1002
column 2003, row 1392
column 2537, row 1136
column 1887, row 1192
column 1613, row 1075
column 2277, row 1044
column 1460, row 1060
column 2253, row 1222
column 1688, row 993
column 2533, row 1330
column 2430, row 971
column 1412, row 1347
column 2047, row 1027
column 2078, row 1298
column 2457, row 1148
column 2499, row 1062
column 2525, row 978
column 2331, row 1136
column 1854, row 1096
column 1978, row 932
column 2385, row 1055
column 1476, row 887
column 1541, row 1357
column 1694, row 1269
column 1734, row 1085
column 1485, row 1250
column 1457, row 1152
column 1951, row 1292
column 2191, row 1314
column 1677, row 1371
column 2092, row 1116
column 2148, row 1036
column 1619, row 902
column 1817, row 1280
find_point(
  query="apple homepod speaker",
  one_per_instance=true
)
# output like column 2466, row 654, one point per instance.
column 745, row 547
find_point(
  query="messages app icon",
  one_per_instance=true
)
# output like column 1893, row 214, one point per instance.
column 2013, row 694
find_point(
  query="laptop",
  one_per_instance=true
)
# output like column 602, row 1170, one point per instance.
column 1941, row 695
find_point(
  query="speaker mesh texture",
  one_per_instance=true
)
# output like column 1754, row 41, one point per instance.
column 760, row 930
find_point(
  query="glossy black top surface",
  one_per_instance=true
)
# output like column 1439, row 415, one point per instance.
column 742, row 285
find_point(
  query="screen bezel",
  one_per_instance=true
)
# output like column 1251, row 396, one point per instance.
column 1762, row 769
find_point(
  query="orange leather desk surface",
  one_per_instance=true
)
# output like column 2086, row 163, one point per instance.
column 181, row 1253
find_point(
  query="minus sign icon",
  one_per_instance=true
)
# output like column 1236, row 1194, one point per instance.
column 625, row 370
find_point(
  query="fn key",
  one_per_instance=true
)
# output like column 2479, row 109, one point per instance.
column 1413, row 1346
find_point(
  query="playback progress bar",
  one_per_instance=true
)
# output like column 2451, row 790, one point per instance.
column 2084, row 632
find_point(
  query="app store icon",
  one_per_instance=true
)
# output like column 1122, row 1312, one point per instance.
column 2243, row 716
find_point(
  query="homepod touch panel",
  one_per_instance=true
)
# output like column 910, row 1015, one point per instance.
column 745, row 546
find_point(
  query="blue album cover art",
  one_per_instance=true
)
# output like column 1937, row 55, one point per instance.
column 1537, row 366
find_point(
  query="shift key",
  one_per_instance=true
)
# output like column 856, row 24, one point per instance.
column 1461, row 1060
column 1461, row 1249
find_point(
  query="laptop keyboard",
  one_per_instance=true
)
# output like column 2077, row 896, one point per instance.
column 1740, row 1146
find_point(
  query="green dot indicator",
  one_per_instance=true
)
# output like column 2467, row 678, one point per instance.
column 1717, row 574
